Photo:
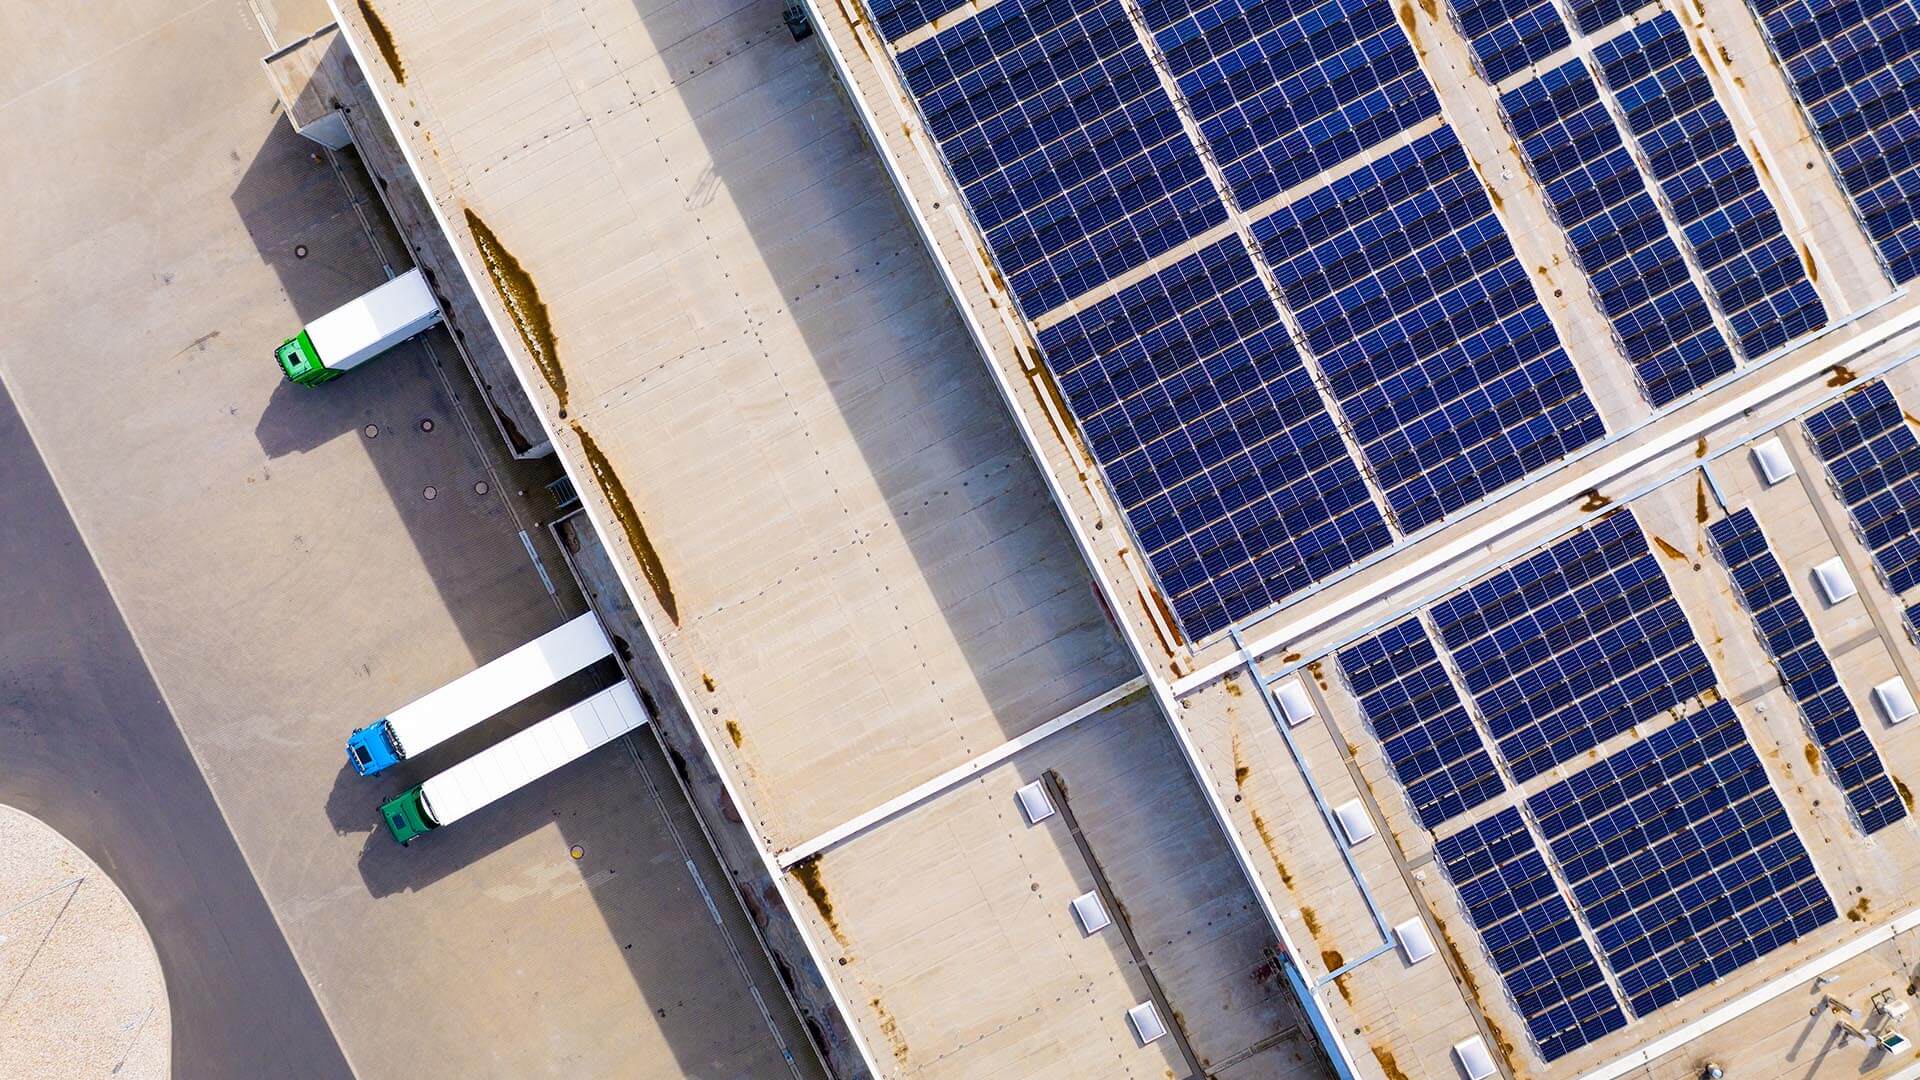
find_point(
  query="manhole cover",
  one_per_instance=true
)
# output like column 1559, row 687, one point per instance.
column 431, row 493
column 372, row 431
column 426, row 425
column 299, row 251
column 577, row 852
column 481, row 488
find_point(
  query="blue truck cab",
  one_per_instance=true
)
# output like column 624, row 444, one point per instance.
column 371, row 750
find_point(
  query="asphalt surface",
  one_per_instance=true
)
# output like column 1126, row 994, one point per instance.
column 88, row 746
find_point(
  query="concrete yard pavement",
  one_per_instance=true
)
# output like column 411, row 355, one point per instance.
column 293, row 562
column 91, row 749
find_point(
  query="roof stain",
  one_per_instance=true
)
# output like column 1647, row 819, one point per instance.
column 1591, row 500
column 1273, row 849
column 643, row 551
column 524, row 306
column 1669, row 550
column 383, row 40
column 1906, row 793
column 807, row 873
column 1813, row 757
column 1387, row 1063
column 734, row 732
column 890, row 1027
column 1840, row 375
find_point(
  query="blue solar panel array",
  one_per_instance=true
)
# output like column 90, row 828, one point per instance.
column 1421, row 723
column 1596, row 192
column 1809, row 676
column 1427, row 329
column 1874, row 462
column 1069, row 152
column 1754, row 270
column 1855, row 67
column 1591, row 15
column 1508, row 35
column 1213, row 438
column 1682, row 858
column 1572, row 645
column 1285, row 88
column 896, row 17
column 1530, row 934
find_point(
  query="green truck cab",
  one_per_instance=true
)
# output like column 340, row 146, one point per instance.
column 406, row 816
column 300, row 364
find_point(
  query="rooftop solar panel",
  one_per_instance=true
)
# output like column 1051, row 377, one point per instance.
column 1412, row 708
column 1594, row 190
column 1509, row 35
column 1283, row 89
column 1755, row 272
column 1873, row 461
column 1530, row 934
column 1572, row 645
column 1854, row 66
column 1594, row 15
column 1211, row 434
column 894, row 18
column 1782, row 626
column 1681, row 858
column 1427, row 329
column 1068, row 151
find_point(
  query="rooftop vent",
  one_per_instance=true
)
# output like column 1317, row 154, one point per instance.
column 1895, row 701
column 1090, row 913
column 1146, row 1022
column 1832, row 578
column 1034, row 803
column 1473, row 1058
column 1354, row 821
column 1415, row 943
column 1294, row 703
column 1770, row 457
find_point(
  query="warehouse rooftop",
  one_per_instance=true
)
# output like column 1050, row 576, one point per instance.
column 854, row 561
column 855, row 572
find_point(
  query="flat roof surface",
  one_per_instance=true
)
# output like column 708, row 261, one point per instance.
column 816, row 495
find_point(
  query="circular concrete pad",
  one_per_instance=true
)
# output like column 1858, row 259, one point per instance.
column 81, row 992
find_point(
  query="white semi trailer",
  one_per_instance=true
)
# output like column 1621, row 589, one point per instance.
column 477, row 695
column 513, row 763
column 359, row 330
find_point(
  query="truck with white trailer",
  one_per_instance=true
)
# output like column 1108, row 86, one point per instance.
column 477, row 695
column 513, row 763
column 359, row 330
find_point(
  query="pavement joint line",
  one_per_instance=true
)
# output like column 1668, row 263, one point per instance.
column 972, row 767
column 1740, row 1006
column 1564, row 492
column 137, row 41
